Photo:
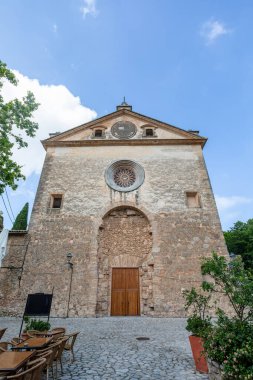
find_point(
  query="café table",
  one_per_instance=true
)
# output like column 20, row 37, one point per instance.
column 48, row 333
column 33, row 344
column 11, row 361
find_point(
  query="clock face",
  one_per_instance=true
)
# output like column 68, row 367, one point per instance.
column 123, row 130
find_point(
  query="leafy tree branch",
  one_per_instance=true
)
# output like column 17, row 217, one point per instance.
column 15, row 116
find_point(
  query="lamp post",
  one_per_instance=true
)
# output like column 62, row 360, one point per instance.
column 70, row 267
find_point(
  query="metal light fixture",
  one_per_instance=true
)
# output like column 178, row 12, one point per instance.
column 69, row 258
column 70, row 267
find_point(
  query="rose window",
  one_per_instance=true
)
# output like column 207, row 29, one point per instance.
column 124, row 176
column 123, row 130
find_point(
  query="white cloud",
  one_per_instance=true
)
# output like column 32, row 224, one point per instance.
column 213, row 29
column 225, row 203
column 59, row 110
column 55, row 28
column 232, row 208
column 23, row 190
column 89, row 7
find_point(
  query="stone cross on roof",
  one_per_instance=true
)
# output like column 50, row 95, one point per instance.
column 124, row 105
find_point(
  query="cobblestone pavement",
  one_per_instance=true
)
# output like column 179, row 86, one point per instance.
column 107, row 348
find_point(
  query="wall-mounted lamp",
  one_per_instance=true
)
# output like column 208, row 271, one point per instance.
column 69, row 262
column 70, row 266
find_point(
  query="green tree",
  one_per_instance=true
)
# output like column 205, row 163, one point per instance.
column 231, row 279
column 20, row 223
column 230, row 340
column 15, row 116
column 239, row 240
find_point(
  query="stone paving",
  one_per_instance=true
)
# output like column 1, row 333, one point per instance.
column 107, row 348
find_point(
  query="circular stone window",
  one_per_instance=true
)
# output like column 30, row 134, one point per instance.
column 123, row 130
column 124, row 175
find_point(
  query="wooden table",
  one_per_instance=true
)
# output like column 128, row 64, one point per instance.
column 33, row 343
column 48, row 333
column 11, row 361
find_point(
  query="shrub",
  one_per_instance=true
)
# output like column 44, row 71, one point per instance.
column 39, row 325
column 229, row 340
column 198, row 323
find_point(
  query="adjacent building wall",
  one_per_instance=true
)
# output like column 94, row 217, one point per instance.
column 12, row 299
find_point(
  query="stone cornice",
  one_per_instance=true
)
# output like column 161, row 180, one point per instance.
column 74, row 143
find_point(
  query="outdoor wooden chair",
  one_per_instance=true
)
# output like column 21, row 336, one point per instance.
column 59, row 329
column 49, row 356
column 2, row 331
column 33, row 373
column 58, row 357
column 55, row 347
column 33, row 333
column 69, row 346
column 57, row 332
column 6, row 345
column 16, row 340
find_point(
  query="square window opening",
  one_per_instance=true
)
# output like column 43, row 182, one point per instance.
column 56, row 201
column 149, row 132
column 193, row 199
column 98, row 133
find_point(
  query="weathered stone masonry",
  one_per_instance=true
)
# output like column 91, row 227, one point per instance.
column 125, row 241
column 151, row 227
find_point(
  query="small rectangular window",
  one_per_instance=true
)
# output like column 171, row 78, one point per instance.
column 149, row 132
column 56, row 201
column 192, row 199
column 98, row 133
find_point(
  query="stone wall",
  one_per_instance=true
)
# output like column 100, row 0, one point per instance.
column 12, row 301
column 184, row 238
column 46, row 269
column 177, row 236
column 125, row 241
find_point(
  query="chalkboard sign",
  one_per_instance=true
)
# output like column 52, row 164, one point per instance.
column 38, row 304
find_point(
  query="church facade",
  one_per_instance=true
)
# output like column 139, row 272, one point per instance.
column 129, row 198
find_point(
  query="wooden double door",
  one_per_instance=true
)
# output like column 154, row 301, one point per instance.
column 125, row 299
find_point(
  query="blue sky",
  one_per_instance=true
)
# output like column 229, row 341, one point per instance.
column 188, row 63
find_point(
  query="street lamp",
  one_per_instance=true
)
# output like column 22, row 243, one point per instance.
column 70, row 267
column 69, row 258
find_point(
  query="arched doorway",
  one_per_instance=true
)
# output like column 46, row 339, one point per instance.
column 125, row 271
